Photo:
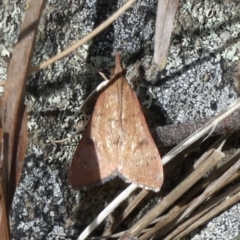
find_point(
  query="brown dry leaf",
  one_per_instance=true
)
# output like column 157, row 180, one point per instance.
column 22, row 146
column 13, row 114
column 4, row 230
column 12, row 110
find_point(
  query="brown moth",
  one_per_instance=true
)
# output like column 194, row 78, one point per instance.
column 117, row 141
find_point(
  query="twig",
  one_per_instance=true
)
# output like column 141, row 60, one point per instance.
column 206, row 155
column 170, row 135
column 201, row 131
column 211, row 189
column 211, row 211
column 168, row 222
column 107, row 211
column 126, row 212
column 214, row 157
column 85, row 39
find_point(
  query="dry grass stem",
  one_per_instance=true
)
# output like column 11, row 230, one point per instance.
column 218, row 144
column 125, row 194
column 167, row 222
column 214, row 157
column 170, row 220
column 166, row 11
column 213, row 208
column 215, row 186
column 85, row 39
column 126, row 212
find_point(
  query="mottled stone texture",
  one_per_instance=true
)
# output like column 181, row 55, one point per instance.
column 197, row 83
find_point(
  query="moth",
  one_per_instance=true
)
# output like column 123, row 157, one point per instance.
column 117, row 141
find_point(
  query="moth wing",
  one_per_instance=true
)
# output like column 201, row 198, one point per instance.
column 95, row 160
column 139, row 159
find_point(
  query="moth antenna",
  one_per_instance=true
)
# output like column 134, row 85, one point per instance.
column 103, row 76
column 88, row 99
column 97, row 89
column 90, row 96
